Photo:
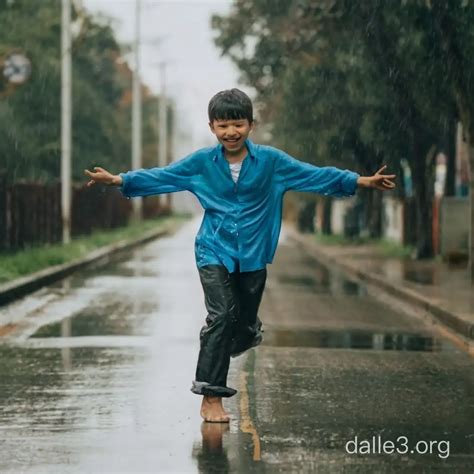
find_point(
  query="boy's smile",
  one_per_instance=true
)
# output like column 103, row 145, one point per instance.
column 232, row 134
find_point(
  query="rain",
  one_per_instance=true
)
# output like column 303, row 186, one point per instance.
column 236, row 236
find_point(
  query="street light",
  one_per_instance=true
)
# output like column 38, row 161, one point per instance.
column 163, row 133
column 66, row 114
column 137, row 203
column 163, row 123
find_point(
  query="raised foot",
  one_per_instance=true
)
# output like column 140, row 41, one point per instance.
column 212, row 410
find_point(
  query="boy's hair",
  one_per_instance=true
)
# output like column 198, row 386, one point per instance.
column 232, row 104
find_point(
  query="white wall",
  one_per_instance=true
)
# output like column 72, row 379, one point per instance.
column 454, row 224
column 392, row 228
column 339, row 208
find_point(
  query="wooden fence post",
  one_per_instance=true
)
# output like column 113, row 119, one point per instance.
column 3, row 210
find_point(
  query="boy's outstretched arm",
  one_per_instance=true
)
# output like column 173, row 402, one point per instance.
column 177, row 176
column 296, row 175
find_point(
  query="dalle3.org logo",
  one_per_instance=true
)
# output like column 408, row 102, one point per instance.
column 376, row 445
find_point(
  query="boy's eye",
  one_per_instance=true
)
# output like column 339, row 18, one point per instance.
column 237, row 125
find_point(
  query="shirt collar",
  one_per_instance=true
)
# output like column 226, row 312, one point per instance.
column 219, row 150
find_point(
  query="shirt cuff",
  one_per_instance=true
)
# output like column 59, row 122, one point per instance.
column 125, row 182
column 349, row 182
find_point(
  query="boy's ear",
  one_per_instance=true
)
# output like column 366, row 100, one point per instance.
column 211, row 126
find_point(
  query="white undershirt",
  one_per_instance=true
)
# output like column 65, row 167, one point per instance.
column 235, row 170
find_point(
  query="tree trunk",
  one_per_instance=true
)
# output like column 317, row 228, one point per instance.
column 450, row 152
column 471, row 205
column 326, row 224
column 422, row 194
column 375, row 216
column 372, row 212
column 3, row 210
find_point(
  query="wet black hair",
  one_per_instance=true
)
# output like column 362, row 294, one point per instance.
column 232, row 104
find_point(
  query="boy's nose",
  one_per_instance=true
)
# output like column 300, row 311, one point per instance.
column 231, row 132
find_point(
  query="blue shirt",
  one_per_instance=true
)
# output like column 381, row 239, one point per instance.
column 242, row 220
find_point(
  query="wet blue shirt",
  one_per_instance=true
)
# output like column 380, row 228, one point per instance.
column 242, row 220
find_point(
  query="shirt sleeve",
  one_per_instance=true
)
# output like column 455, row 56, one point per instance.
column 177, row 176
column 296, row 175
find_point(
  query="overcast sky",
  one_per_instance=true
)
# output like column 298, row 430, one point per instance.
column 195, row 72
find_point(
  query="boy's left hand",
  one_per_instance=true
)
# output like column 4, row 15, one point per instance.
column 383, row 182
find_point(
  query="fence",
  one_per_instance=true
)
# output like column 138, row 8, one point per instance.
column 30, row 213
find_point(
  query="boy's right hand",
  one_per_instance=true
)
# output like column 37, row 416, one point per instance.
column 102, row 176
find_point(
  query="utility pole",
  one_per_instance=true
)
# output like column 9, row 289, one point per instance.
column 163, row 124
column 162, row 118
column 169, row 144
column 66, row 120
column 137, row 111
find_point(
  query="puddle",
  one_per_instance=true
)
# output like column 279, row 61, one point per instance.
column 115, row 270
column 352, row 288
column 123, row 271
column 114, row 319
column 423, row 276
column 330, row 283
column 343, row 339
column 87, row 342
column 297, row 280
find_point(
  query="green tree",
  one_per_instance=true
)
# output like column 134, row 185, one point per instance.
column 453, row 38
column 354, row 80
column 30, row 142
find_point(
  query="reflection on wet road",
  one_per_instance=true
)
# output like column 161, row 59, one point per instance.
column 95, row 375
column 352, row 340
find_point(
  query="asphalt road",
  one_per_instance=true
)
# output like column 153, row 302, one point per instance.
column 95, row 377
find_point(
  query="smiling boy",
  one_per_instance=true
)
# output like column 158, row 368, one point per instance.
column 241, row 186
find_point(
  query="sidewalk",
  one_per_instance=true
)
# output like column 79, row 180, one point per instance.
column 444, row 292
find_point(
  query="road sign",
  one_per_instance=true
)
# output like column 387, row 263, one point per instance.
column 16, row 68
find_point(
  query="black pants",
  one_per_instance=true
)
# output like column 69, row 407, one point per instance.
column 232, row 325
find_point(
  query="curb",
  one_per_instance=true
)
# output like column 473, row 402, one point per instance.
column 450, row 319
column 22, row 286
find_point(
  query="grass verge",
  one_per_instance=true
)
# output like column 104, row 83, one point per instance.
column 385, row 248
column 20, row 263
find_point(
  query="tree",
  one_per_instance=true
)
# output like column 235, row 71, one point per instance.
column 30, row 143
column 454, row 41
column 354, row 80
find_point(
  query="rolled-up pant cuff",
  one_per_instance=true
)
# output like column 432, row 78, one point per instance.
column 205, row 388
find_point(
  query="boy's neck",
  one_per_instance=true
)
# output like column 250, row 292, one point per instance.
column 237, row 156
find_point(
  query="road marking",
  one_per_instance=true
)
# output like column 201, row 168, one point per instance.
column 246, row 424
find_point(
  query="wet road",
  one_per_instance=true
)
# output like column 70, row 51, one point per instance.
column 95, row 375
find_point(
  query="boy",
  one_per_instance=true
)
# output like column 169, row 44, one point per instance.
column 241, row 186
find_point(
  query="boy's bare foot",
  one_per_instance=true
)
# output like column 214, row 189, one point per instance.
column 213, row 411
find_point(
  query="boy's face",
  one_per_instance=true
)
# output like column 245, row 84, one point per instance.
column 232, row 133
